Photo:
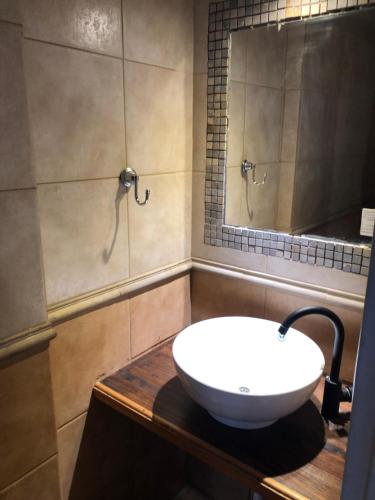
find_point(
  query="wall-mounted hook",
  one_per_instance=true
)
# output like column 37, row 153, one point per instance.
column 246, row 167
column 128, row 177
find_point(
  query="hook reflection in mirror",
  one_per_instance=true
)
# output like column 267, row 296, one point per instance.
column 248, row 166
column 127, row 178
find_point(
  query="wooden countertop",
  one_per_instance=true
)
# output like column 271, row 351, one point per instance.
column 298, row 457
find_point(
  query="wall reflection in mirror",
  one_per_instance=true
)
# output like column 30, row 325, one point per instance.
column 302, row 114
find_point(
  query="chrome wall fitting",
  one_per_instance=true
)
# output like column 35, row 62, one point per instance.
column 246, row 167
column 128, row 177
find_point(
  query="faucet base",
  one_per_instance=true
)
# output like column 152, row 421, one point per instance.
column 334, row 393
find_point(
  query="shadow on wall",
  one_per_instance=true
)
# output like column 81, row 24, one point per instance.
column 107, row 253
column 119, row 459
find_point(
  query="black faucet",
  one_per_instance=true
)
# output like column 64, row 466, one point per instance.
column 334, row 392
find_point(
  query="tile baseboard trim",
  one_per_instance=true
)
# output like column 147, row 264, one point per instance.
column 26, row 340
column 331, row 296
column 64, row 310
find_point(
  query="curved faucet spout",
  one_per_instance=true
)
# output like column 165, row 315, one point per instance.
column 333, row 392
column 337, row 325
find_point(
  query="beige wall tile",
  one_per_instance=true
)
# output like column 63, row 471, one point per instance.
column 119, row 459
column 159, row 32
column 197, row 223
column 200, row 122
column 252, row 261
column 84, row 236
column 321, row 276
column 93, row 25
column 295, row 53
column 160, row 231
column 76, row 113
column 259, row 202
column 21, row 271
column 321, row 65
column 280, row 303
column 236, row 127
column 238, row 55
column 69, row 438
column 263, row 124
column 291, row 115
column 40, row 484
column 313, row 131
column 27, row 426
column 234, row 192
column 158, row 109
column 15, row 164
column 266, row 56
column 311, row 203
column 85, row 349
column 159, row 313
column 285, row 197
column 10, row 11
column 214, row 295
column 200, row 36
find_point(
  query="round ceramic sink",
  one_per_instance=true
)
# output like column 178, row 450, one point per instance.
column 239, row 370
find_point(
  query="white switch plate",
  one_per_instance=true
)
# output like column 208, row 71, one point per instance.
column 367, row 222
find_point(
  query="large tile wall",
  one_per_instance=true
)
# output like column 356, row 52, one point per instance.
column 28, row 450
column 99, row 101
column 94, row 86
column 21, row 269
column 217, row 295
column 276, row 267
column 332, row 135
column 256, row 96
column 98, row 343
column 89, row 88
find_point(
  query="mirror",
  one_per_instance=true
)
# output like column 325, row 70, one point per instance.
column 301, row 113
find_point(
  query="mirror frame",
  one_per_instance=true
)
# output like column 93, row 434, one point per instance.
column 226, row 17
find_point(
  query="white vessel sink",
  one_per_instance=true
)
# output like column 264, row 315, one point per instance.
column 242, row 374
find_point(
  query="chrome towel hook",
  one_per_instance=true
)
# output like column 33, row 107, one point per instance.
column 128, row 177
column 248, row 166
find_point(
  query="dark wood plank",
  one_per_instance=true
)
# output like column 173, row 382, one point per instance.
column 298, row 457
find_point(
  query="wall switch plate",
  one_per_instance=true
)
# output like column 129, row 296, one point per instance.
column 367, row 222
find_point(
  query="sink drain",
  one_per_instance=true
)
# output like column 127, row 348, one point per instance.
column 244, row 389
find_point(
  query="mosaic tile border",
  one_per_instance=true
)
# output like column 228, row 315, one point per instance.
column 225, row 17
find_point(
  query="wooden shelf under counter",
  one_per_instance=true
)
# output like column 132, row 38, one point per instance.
column 298, row 457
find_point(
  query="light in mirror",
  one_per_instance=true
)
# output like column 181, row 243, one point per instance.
column 302, row 110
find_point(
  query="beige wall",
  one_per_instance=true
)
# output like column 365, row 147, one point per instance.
column 272, row 266
column 98, row 104
column 81, row 102
column 84, row 103
column 217, row 295
column 255, row 101
column 336, row 98
column 300, row 107
column 20, row 254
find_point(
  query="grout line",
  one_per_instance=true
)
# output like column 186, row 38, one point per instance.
column 93, row 52
column 73, row 47
column 28, row 473
column 133, row 61
column 68, row 422
column 12, row 23
column 153, row 174
column 126, row 150
column 66, row 181
column 31, row 188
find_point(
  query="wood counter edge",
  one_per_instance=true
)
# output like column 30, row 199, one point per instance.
column 266, row 486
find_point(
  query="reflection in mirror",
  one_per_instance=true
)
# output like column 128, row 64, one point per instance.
column 302, row 111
